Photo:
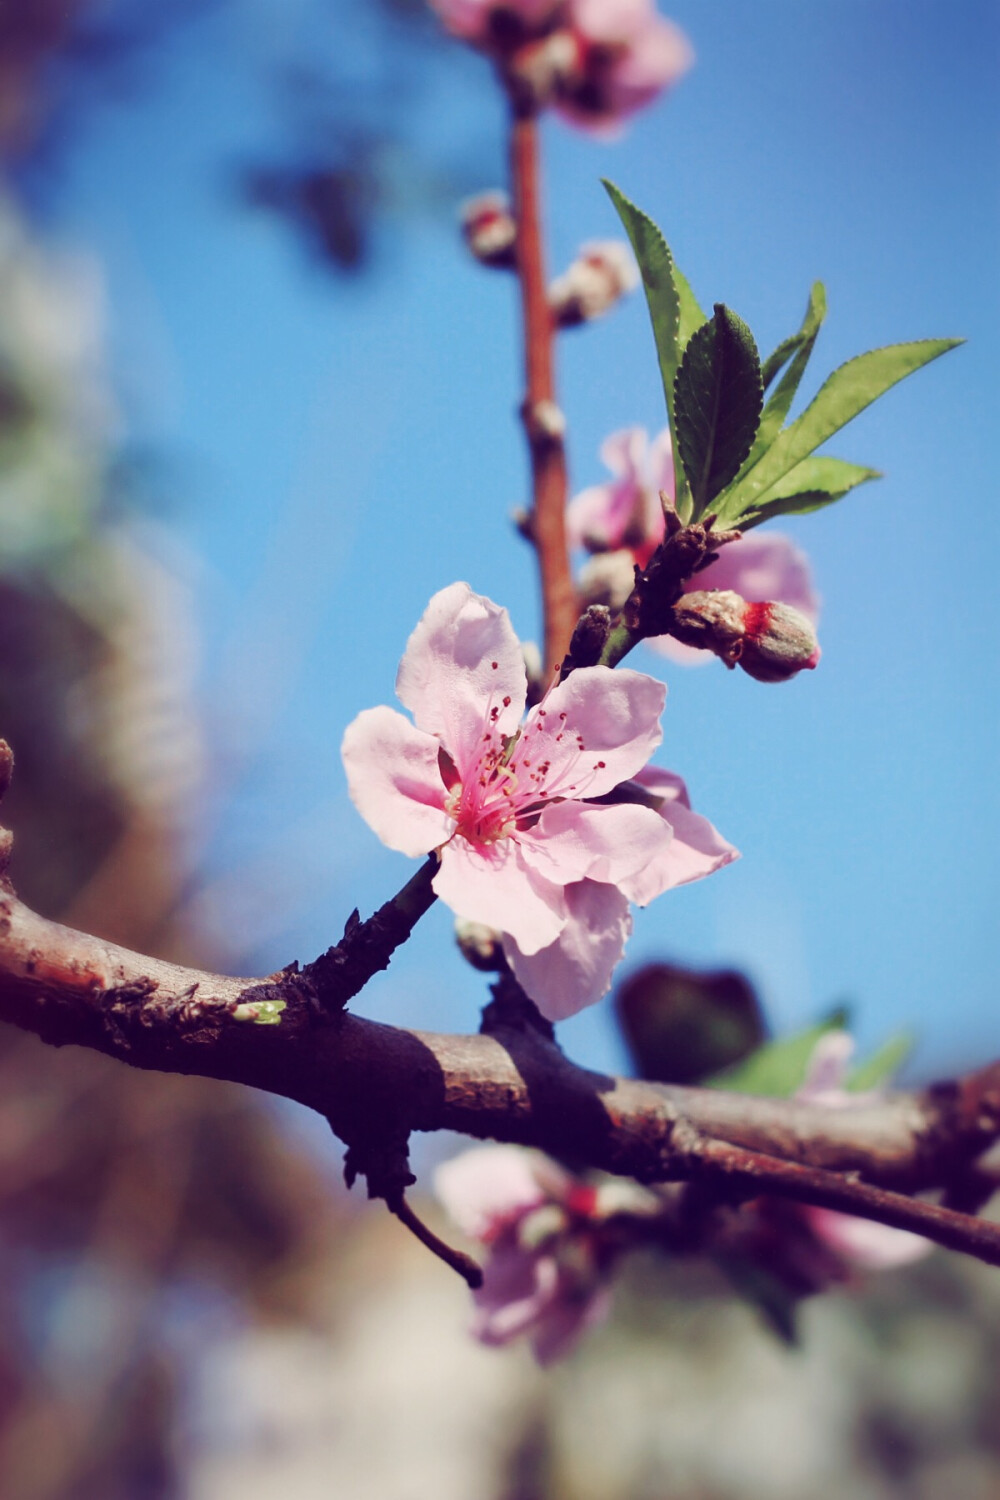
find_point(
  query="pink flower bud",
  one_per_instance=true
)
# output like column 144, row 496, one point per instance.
column 779, row 642
column 770, row 641
column 600, row 276
column 490, row 229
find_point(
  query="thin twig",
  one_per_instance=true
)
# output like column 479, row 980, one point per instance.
column 542, row 418
column 469, row 1270
column 849, row 1195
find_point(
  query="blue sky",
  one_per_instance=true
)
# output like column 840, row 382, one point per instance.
column 341, row 449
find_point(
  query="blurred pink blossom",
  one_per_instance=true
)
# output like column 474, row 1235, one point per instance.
column 546, row 1275
column 497, row 25
column 626, row 515
column 626, row 55
column 598, row 61
column 861, row 1243
column 524, row 847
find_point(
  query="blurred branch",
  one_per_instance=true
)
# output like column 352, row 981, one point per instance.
column 378, row 1083
column 543, row 421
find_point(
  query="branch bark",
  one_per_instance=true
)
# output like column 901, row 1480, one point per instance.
column 377, row 1083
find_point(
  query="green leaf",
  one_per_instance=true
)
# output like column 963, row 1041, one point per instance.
column 882, row 1064
column 717, row 400
column 778, row 1068
column 801, row 345
column 814, row 315
column 847, row 392
column 673, row 308
column 813, row 483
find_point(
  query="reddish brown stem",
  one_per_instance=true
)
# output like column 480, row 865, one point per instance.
column 849, row 1195
column 469, row 1270
column 542, row 420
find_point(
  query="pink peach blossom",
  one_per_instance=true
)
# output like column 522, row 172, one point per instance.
column 526, row 845
column 627, row 54
column 546, row 1274
column 497, row 25
column 626, row 515
column 860, row 1243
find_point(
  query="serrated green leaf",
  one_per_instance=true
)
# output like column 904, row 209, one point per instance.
column 673, row 308
column 814, row 314
column 717, row 400
column 778, row 1068
column 882, row 1064
column 847, row 392
column 813, row 483
column 801, row 345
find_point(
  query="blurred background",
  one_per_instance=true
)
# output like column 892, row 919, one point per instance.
column 256, row 405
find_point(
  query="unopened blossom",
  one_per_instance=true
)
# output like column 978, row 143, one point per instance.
column 622, row 523
column 603, row 273
column 770, row 641
column 546, row 1275
column 627, row 54
column 524, row 844
column 859, row 1243
column 490, row 229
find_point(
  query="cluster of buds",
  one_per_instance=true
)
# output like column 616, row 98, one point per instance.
column 623, row 522
column 552, row 1242
column 770, row 641
column 596, row 61
column 603, row 273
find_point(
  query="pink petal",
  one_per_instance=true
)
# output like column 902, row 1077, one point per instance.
column 865, row 1244
column 394, row 781
column 489, row 883
column 624, row 453
column 616, row 716
column 696, row 850
column 468, row 19
column 763, row 565
column 661, row 464
column 462, row 661
column 563, row 1322
column 489, row 1186
column 575, row 970
column 518, row 1287
column 826, row 1071
column 610, row 843
column 588, row 519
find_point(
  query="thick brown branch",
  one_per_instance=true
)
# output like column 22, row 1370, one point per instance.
column 542, row 418
column 375, row 1082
